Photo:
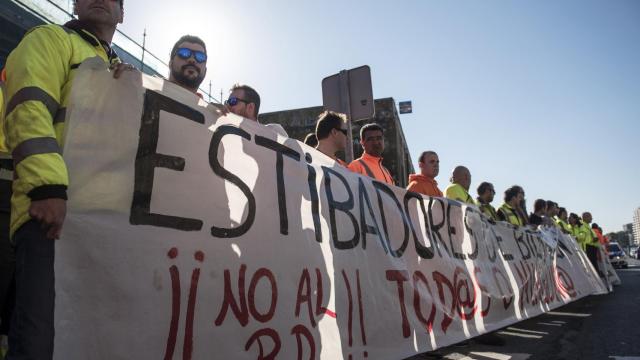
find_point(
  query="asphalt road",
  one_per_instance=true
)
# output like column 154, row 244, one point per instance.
column 596, row 327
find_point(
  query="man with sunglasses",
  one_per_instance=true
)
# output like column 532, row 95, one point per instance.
column 245, row 101
column 331, row 131
column 188, row 64
column 370, row 163
column 39, row 75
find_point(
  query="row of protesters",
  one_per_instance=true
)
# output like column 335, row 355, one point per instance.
column 39, row 73
column 331, row 137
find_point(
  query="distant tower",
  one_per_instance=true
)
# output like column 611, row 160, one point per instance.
column 636, row 226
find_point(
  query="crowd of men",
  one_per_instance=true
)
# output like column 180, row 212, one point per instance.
column 36, row 86
column 330, row 137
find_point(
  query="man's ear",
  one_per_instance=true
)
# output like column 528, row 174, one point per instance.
column 251, row 109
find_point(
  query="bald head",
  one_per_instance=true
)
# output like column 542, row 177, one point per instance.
column 461, row 176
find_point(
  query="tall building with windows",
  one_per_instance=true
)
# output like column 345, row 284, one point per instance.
column 636, row 226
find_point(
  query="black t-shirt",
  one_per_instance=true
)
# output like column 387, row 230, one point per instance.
column 535, row 219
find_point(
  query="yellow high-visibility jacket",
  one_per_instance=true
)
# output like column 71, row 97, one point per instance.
column 457, row 192
column 39, row 74
column 508, row 214
column 563, row 226
column 585, row 236
column 488, row 210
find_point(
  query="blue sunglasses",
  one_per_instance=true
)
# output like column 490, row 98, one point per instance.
column 186, row 53
column 233, row 101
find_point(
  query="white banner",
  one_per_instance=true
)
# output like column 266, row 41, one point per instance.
column 194, row 236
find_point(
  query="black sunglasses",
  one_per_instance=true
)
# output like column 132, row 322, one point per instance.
column 233, row 101
column 186, row 53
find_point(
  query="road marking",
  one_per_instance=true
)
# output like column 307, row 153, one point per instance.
column 528, row 331
column 498, row 356
column 492, row 355
column 558, row 313
column 526, row 336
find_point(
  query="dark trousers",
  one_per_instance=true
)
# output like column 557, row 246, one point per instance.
column 592, row 254
column 7, row 269
column 31, row 335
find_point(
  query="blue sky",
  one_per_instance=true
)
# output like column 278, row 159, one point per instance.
column 544, row 94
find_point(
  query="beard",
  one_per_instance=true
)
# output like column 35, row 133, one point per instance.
column 190, row 82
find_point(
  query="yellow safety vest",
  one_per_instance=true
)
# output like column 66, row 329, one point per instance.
column 488, row 210
column 40, row 71
column 457, row 192
column 509, row 215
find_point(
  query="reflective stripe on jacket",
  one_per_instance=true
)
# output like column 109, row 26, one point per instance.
column 372, row 167
column 40, row 71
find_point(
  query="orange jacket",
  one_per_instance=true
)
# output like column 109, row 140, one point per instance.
column 423, row 185
column 372, row 166
column 601, row 239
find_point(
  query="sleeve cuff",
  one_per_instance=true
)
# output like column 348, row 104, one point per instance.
column 48, row 192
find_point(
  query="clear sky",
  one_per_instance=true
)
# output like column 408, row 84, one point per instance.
column 544, row 94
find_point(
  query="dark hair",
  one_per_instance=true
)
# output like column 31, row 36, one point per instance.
column 561, row 210
column 187, row 38
column 425, row 153
column 595, row 226
column 551, row 204
column 539, row 204
column 311, row 139
column 484, row 187
column 328, row 121
column 369, row 127
column 250, row 94
column 511, row 192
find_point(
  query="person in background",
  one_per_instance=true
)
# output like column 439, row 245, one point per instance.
column 486, row 194
column 331, row 132
column 425, row 182
column 539, row 210
column 513, row 197
column 561, row 220
column 370, row 163
column 603, row 240
column 549, row 217
column 459, row 187
column 587, row 239
column 245, row 101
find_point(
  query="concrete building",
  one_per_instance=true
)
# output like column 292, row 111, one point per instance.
column 300, row 122
column 636, row 226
